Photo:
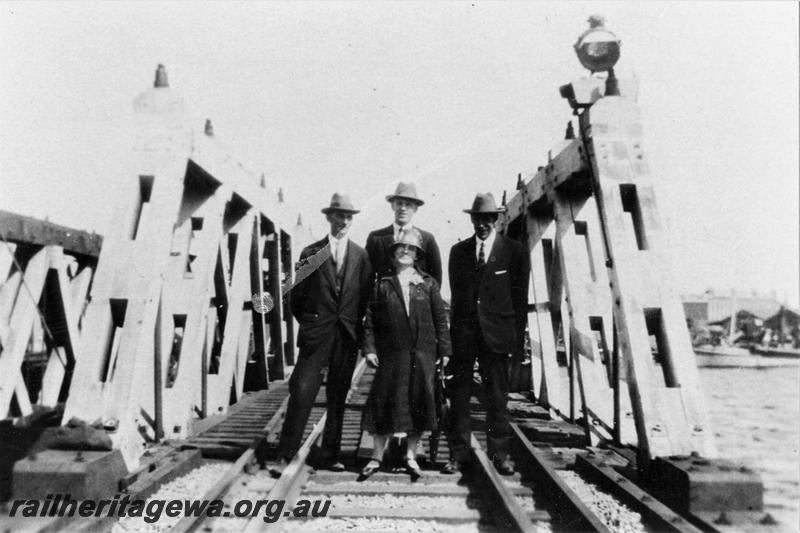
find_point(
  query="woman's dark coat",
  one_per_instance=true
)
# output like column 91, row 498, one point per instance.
column 402, row 395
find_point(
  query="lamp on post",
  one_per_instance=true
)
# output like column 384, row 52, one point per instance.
column 598, row 51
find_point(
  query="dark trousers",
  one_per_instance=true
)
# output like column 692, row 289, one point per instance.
column 338, row 354
column 493, row 369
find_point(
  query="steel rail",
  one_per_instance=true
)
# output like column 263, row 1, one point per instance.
column 653, row 512
column 190, row 523
column 503, row 508
column 571, row 511
column 288, row 487
column 509, row 514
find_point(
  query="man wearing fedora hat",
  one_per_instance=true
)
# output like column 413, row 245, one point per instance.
column 405, row 203
column 489, row 276
column 329, row 305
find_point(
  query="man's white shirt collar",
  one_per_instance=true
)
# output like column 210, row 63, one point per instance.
column 396, row 228
column 336, row 242
column 340, row 244
column 487, row 245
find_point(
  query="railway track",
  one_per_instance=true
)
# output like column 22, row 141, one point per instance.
column 392, row 500
column 546, row 494
column 560, row 485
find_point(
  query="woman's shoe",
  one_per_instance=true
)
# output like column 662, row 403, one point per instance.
column 453, row 466
column 413, row 469
column 372, row 467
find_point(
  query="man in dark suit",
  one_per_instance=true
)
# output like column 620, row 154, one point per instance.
column 329, row 305
column 489, row 276
column 405, row 203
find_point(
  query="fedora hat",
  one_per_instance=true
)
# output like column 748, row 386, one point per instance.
column 484, row 203
column 412, row 237
column 405, row 191
column 340, row 202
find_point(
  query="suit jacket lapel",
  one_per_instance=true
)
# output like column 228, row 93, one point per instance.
column 472, row 260
column 329, row 271
column 399, row 291
column 349, row 265
column 413, row 315
column 387, row 240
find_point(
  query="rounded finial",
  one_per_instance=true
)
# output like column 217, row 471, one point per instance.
column 161, row 77
column 209, row 128
column 596, row 21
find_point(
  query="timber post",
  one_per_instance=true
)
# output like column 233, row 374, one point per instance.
column 600, row 283
column 170, row 310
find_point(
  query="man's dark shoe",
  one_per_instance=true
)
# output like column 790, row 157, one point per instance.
column 452, row 467
column 504, row 467
column 276, row 470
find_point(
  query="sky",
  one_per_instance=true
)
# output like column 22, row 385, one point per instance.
column 457, row 97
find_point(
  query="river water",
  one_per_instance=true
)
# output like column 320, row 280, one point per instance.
column 755, row 415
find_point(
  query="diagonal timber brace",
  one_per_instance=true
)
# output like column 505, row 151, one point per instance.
column 602, row 282
column 170, row 311
column 664, row 390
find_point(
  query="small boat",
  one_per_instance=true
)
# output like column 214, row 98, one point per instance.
column 776, row 351
column 708, row 356
column 725, row 353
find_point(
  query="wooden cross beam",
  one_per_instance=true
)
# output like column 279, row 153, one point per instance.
column 170, row 315
column 599, row 264
column 23, row 229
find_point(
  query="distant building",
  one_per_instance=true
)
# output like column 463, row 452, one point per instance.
column 696, row 311
column 711, row 306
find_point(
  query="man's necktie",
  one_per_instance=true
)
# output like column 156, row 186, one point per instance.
column 481, row 256
column 338, row 258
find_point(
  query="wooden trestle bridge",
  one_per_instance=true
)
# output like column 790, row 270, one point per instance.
column 148, row 336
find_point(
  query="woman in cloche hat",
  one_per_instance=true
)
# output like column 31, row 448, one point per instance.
column 405, row 334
